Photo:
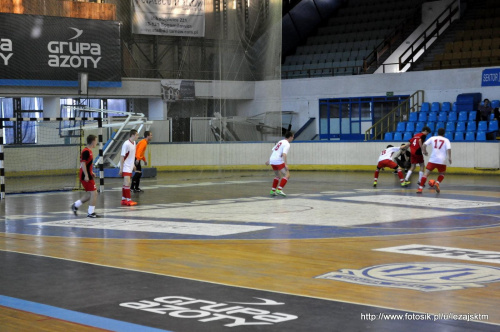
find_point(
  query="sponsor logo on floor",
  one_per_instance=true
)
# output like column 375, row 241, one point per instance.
column 424, row 277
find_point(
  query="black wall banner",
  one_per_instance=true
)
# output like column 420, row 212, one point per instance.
column 51, row 51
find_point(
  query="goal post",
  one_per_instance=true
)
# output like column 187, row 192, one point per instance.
column 43, row 167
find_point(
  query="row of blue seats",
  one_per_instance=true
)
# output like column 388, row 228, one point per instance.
column 452, row 136
column 447, row 106
column 442, row 116
column 452, row 126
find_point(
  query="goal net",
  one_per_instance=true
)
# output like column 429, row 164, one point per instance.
column 41, row 155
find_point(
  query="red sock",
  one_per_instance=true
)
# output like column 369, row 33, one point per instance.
column 440, row 178
column 400, row 174
column 126, row 192
column 376, row 174
column 282, row 183
column 275, row 183
column 123, row 193
column 422, row 182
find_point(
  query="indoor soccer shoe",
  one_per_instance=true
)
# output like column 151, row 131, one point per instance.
column 131, row 203
column 374, row 183
column 124, row 202
column 407, row 183
column 74, row 208
column 92, row 215
column 273, row 193
column 436, row 185
column 419, row 190
column 281, row 193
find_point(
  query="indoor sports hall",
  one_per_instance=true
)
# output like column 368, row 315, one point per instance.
column 215, row 240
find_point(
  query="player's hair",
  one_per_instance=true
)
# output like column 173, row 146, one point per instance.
column 288, row 134
column 441, row 131
column 389, row 146
column 427, row 129
column 147, row 133
column 90, row 139
column 133, row 132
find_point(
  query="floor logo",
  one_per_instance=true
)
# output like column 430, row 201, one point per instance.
column 425, row 277
column 208, row 311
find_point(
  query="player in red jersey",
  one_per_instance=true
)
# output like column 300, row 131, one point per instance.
column 386, row 159
column 416, row 156
column 87, row 178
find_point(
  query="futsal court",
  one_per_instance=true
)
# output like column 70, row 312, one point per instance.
column 212, row 251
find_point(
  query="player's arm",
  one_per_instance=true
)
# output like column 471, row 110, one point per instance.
column 449, row 155
column 122, row 160
column 284, row 159
column 83, row 166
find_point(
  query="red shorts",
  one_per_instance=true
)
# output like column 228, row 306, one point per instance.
column 278, row 167
column 88, row 185
column 440, row 168
column 417, row 159
column 126, row 174
column 387, row 163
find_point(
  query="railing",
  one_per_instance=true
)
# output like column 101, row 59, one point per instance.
column 389, row 42
column 400, row 113
column 432, row 31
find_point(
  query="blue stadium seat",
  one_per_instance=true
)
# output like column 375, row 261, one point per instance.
column 470, row 136
column 426, row 107
column 419, row 126
column 410, row 126
column 450, row 126
column 388, row 136
column 492, row 125
column 398, row 136
column 463, row 116
column 422, row 117
column 472, row 115
column 446, row 107
column 431, row 125
column 453, row 116
column 454, row 107
column 482, row 126
column 459, row 136
column 471, row 126
column 407, row 135
column 443, row 116
column 432, row 117
column 481, row 136
column 413, row 117
column 435, row 107
column 401, row 127
column 495, row 103
column 460, row 126
column 449, row 135
column 440, row 124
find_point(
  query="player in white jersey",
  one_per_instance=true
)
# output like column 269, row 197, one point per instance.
column 127, row 166
column 441, row 150
column 387, row 159
column 279, row 163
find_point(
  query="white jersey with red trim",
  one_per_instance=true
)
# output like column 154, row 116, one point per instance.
column 440, row 146
column 128, row 154
column 387, row 153
column 277, row 155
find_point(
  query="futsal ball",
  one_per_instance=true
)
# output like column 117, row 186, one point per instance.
column 431, row 183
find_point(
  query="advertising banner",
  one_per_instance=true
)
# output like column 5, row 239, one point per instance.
column 176, row 90
column 52, row 51
column 491, row 77
column 184, row 18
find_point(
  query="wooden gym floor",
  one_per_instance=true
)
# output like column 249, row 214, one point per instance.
column 212, row 251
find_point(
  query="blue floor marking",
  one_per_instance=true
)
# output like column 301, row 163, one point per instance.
column 73, row 316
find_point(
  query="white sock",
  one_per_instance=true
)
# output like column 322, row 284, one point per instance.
column 408, row 176
column 78, row 203
column 420, row 174
column 91, row 209
column 123, row 198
